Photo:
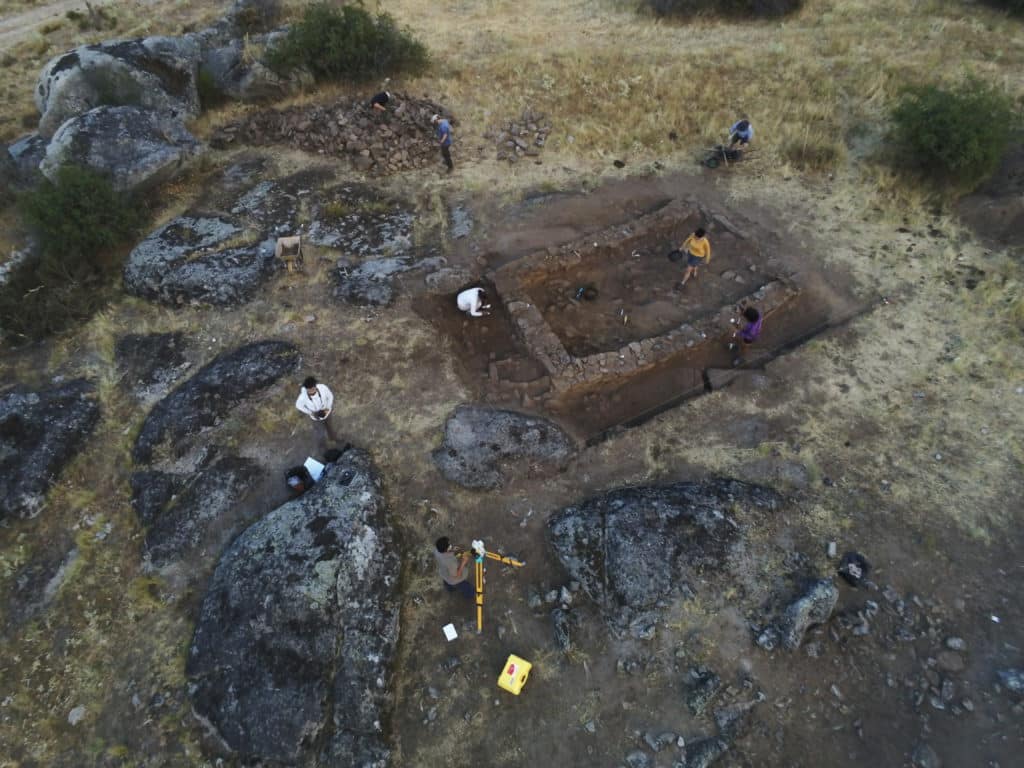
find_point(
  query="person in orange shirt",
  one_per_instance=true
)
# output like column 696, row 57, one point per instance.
column 698, row 253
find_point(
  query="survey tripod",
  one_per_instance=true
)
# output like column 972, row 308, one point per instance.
column 479, row 553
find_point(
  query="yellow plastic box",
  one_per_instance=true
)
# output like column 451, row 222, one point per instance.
column 514, row 673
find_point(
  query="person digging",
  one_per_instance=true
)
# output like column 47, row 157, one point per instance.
column 698, row 254
column 747, row 335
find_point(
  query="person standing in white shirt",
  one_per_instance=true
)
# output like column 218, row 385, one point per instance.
column 472, row 300
column 317, row 402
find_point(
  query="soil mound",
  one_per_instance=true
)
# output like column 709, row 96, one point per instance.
column 996, row 210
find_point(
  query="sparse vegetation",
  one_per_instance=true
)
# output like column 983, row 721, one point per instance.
column 1013, row 6
column 754, row 8
column 956, row 134
column 78, row 222
column 349, row 42
column 258, row 15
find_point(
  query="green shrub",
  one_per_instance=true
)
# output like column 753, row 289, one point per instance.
column 1013, row 6
column 210, row 94
column 349, row 43
column 734, row 8
column 78, row 222
column 954, row 135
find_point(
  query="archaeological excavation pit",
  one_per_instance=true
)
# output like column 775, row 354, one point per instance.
column 598, row 332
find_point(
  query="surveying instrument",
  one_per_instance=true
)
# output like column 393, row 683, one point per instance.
column 479, row 553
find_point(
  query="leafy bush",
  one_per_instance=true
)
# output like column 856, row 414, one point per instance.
column 1013, row 6
column 77, row 222
column 335, row 43
column 957, row 134
column 749, row 8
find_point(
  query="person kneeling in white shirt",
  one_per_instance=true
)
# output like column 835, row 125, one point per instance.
column 317, row 402
column 472, row 300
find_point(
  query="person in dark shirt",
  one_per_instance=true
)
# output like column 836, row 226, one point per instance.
column 380, row 101
column 444, row 136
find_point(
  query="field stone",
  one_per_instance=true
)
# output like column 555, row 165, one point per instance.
column 292, row 653
column 1012, row 680
column 704, row 686
column 182, row 262
column 634, row 548
column 157, row 73
column 483, row 446
column 560, row 622
column 178, row 509
column 135, row 148
column 925, row 757
column 219, row 387
column 815, row 606
column 704, row 753
column 40, row 432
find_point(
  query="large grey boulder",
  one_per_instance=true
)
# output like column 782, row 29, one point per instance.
column 291, row 659
column 191, row 259
column 483, row 446
column 178, row 510
column 157, row 73
column 27, row 153
column 632, row 549
column 234, row 73
column 371, row 283
column 135, row 147
column 219, row 387
column 40, row 432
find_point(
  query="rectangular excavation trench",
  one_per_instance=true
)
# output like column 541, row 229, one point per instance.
column 640, row 345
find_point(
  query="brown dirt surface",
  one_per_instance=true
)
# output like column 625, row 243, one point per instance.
column 898, row 433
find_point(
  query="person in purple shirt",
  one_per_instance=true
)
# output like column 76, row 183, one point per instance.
column 444, row 135
column 749, row 333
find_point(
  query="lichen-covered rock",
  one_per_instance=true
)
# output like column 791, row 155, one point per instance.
column 371, row 283
column 191, row 258
column 632, row 549
column 482, row 446
column 815, row 606
column 133, row 146
column 362, row 221
column 156, row 73
column 27, row 153
column 1012, row 680
column 290, row 662
column 39, row 433
column 704, row 753
column 177, row 510
column 237, row 75
column 149, row 359
column 219, row 387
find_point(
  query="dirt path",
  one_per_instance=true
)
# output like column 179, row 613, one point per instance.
column 21, row 25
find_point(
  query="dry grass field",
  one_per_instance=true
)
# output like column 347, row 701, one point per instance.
column 914, row 411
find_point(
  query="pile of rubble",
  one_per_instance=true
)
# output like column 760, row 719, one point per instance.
column 377, row 142
column 522, row 137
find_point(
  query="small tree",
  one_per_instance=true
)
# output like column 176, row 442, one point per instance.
column 957, row 134
column 78, row 221
column 335, row 43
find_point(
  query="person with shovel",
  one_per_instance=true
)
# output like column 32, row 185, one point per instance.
column 698, row 253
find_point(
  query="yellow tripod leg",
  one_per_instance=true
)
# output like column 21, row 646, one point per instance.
column 479, row 596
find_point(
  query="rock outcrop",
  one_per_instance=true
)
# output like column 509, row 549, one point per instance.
column 814, row 606
column 238, row 76
column 134, row 147
column 216, row 389
column 191, row 259
column 39, row 433
column 177, row 510
column 483, row 446
column 290, row 663
column 371, row 283
column 632, row 549
column 155, row 73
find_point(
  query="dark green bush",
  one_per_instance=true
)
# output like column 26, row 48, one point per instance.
column 78, row 222
column 348, row 42
column 955, row 134
column 734, row 8
column 210, row 94
column 1013, row 6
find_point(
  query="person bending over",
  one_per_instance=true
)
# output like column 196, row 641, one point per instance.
column 452, row 569
column 741, row 133
column 472, row 301
column 380, row 101
column 748, row 334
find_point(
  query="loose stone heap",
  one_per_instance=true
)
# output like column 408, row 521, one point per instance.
column 521, row 137
column 291, row 658
column 376, row 142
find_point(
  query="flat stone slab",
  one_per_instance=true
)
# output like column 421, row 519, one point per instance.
column 484, row 447
column 219, row 387
column 632, row 549
column 291, row 659
column 178, row 510
column 40, row 432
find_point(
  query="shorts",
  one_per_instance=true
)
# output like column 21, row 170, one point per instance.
column 464, row 588
column 694, row 261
